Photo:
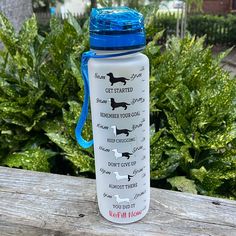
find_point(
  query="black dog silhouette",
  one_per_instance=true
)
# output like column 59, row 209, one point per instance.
column 129, row 177
column 123, row 131
column 126, row 154
column 114, row 80
column 120, row 131
column 118, row 104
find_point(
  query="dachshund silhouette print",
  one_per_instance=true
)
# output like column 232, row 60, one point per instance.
column 114, row 80
column 120, row 131
column 120, row 177
column 115, row 104
column 121, row 154
column 120, row 200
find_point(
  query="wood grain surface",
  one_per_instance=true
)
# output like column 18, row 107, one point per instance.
column 42, row 204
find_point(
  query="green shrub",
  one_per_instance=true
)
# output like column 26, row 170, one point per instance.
column 44, row 27
column 193, row 145
column 41, row 96
column 218, row 29
column 193, row 148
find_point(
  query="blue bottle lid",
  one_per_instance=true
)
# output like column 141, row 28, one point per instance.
column 116, row 28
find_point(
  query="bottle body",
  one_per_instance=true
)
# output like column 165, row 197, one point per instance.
column 119, row 97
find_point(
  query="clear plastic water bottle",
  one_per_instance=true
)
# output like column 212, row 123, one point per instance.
column 119, row 97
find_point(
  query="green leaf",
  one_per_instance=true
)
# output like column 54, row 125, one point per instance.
column 55, row 25
column 224, row 54
column 8, row 89
column 199, row 174
column 28, row 33
column 74, row 23
column 82, row 161
column 72, row 151
column 76, row 72
column 71, row 117
column 105, row 3
column 183, row 184
column 61, row 140
column 32, row 159
column 221, row 139
column 36, row 119
column 176, row 129
column 153, row 49
column 6, row 25
column 186, row 156
column 15, row 118
column 165, row 157
column 13, row 107
column 7, row 34
column 157, row 135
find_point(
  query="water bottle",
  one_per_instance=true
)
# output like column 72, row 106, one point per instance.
column 117, row 77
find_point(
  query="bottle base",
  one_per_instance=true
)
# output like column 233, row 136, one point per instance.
column 125, row 217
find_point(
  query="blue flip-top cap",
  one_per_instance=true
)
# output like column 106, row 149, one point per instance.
column 116, row 28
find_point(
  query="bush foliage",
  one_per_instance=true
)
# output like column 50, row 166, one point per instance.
column 192, row 102
column 194, row 145
column 41, row 95
column 218, row 29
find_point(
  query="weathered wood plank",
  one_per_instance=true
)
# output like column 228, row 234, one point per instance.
column 36, row 204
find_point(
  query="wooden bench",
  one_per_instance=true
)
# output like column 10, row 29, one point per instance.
column 42, row 204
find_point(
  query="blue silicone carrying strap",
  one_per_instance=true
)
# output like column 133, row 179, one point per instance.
column 84, row 113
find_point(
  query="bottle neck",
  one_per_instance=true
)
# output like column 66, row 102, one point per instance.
column 111, row 52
